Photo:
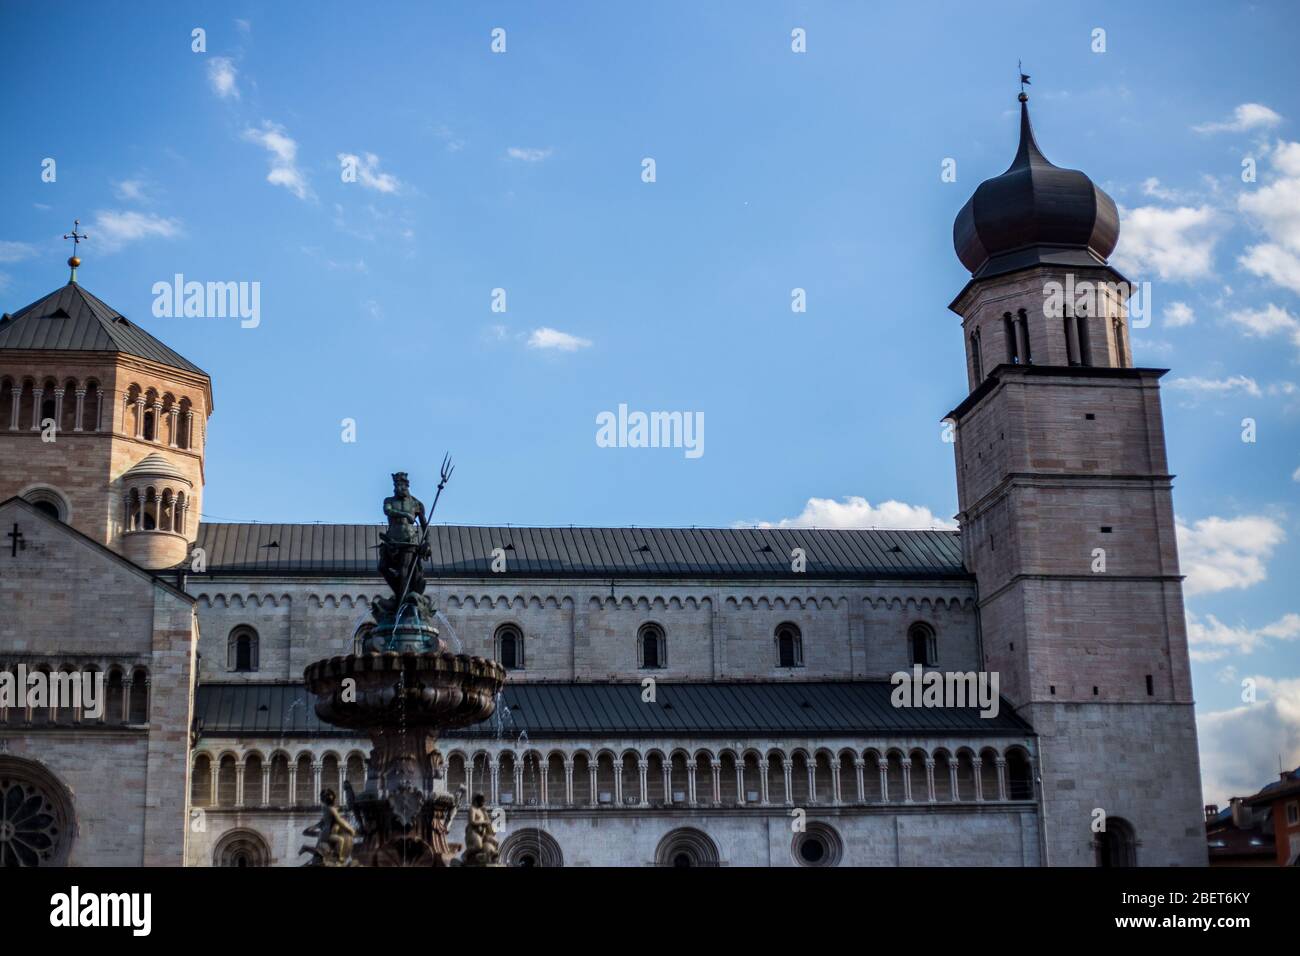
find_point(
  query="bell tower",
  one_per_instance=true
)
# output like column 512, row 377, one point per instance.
column 102, row 426
column 1065, row 505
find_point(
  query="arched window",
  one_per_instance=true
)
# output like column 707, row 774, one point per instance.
column 1020, row 775
column 148, row 425
column 48, row 501
column 510, row 647
column 241, row 848
column 139, row 702
column 922, row 644
column 1117, row 844
column 977, row 361
column 241, row 650
column 1009, row 332
column 789, row 646
column 651, row 647
column 686, row 847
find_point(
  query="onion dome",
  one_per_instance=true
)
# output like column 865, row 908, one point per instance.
column 1034, row 213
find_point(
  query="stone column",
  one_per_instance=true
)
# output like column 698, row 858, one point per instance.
column 568, row 783
column 740, row 782
column 812, row 780
column 214, row 770
column 690, row 783
column 835, row 783
column 266, row 784
column 157, row 421
column 58, row 409
column 716, row 767
column 859, row 765
column 593, row 765
column 99, row 409
column 883, row 766
column 763, row 788
column 544, row 782
column 293, row 783
column 668, row 781
column 519, row 782
column 642, row 766
column 315, row 770
column 976, row 763
column 81, row 407
column 239, row 784
column 1002, row 778
column 17, row 393
column 139, row 417
column 496, row 782
column 38, row 395
column 907, row 779
column 127, row 684
column 789, row 782
column 174, row 415
column 952, row 779
column 929, row 778
column 189, row 429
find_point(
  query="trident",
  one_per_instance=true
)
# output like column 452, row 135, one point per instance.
column 445, row 476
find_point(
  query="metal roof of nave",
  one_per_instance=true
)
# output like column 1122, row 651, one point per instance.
column 269, row 550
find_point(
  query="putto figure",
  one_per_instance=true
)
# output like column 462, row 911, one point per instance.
column 333, row 835
column 481, row 847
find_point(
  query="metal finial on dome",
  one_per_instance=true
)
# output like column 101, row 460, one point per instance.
column 76, row 237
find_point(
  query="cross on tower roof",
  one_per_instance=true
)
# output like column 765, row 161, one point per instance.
column 76, row 238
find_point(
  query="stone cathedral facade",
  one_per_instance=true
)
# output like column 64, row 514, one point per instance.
column 676, row 697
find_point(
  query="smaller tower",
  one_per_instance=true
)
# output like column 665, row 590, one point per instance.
column 101, row 425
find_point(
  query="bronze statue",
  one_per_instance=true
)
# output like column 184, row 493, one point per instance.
column 481, row 848
column 333, row 835
column 402, row 550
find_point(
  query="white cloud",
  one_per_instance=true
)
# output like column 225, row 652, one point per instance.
column 16, row 251
column 1295, row 475
column 1275, row 209
column 1179, row 314
column 368, row 174
column 112, row 229
column 1211, row 639
column 855, row 512
column 1217, row 386
column 372, row 310
column 1173, row 243
column 1218, row 554
column 244, row 26
column 545, row 338
column 130, row 190
column 528, row 154
column 284, row 152
column 1268, row 321
column 1247, row 116
column 223, row 77
column 1240, row 747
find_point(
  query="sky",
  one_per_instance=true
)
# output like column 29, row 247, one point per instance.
column 477, row 227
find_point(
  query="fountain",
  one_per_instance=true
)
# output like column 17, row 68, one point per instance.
column 402, row 688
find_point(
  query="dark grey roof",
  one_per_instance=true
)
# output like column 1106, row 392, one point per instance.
column 71, row 319
column 466, row 551
column 814, row 708
column 1035, row 212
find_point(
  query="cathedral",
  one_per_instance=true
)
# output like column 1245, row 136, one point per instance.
column 675, row 697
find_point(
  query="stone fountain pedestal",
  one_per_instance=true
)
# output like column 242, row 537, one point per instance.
column 402, row 699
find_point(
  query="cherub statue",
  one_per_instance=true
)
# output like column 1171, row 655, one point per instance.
column 333, row 835
column 481, row 848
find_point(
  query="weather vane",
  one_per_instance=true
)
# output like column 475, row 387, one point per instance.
column 1024, row 78
column 76, row 238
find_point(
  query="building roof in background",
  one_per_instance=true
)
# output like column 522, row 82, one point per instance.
column 571, row 709
column 466, row 551
column 71, row 319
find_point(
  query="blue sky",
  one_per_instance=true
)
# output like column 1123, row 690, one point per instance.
column 774, row 170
